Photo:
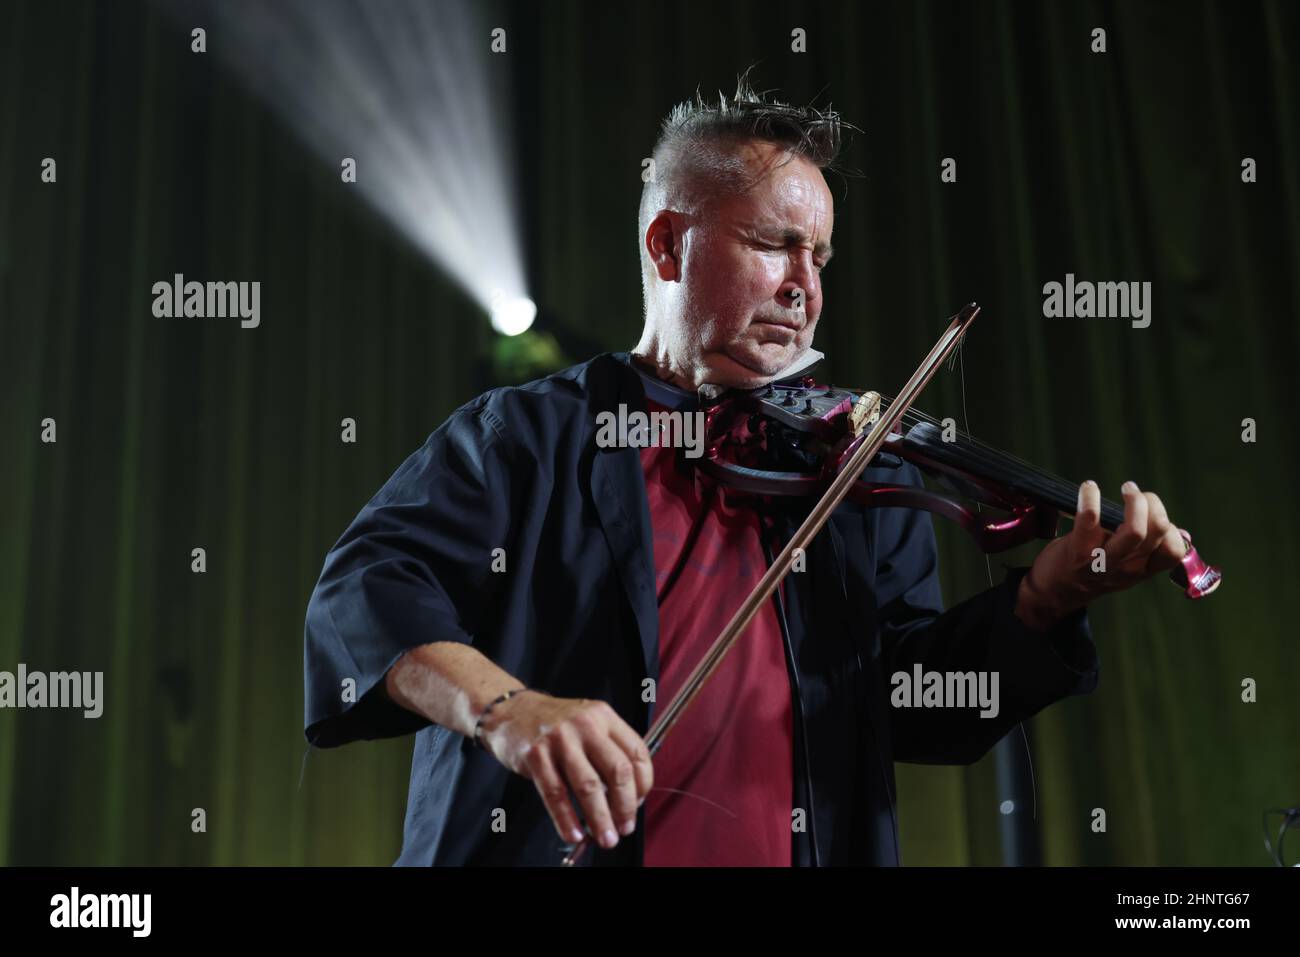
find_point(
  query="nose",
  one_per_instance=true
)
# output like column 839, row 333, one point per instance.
column 801, row 277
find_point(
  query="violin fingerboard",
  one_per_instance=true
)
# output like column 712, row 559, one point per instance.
column 982, row 461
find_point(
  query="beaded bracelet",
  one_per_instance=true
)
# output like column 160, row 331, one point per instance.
column 478, row 725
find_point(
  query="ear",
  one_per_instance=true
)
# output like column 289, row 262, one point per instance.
column 663, row 243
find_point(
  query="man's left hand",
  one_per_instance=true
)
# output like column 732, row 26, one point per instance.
column 1062, row 578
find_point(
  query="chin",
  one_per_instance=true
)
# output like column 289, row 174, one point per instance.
column 751, row 371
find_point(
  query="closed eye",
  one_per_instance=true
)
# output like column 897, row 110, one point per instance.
column 779, row 248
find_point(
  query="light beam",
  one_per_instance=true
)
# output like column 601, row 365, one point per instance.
column 414, row 94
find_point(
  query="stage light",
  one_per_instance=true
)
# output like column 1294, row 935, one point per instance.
column 513, row 316
column 414, row 96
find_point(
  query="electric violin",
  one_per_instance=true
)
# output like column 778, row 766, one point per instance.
column 793, row 438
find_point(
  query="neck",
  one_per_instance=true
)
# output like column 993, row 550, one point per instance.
column 652, row 357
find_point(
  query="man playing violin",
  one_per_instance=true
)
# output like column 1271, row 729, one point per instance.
column 524, row 599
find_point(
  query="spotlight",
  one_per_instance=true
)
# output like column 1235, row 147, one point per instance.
column 511, row 316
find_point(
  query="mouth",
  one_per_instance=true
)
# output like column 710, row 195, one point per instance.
column 793, row 324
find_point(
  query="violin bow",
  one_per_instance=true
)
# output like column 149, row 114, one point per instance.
column 802, row 538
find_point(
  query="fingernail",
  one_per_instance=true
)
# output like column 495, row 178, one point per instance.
column 628, row 827
column 1130, row 486
column 610, row 837
column 575, row 836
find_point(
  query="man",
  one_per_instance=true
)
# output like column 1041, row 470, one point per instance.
column 514, row 551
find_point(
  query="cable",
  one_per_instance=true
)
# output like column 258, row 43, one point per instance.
column 1290, row 815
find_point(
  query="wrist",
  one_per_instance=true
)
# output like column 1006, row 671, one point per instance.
column 1035, row 608
column 495, row 713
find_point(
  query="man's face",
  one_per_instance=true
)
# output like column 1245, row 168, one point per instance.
column 750, row 291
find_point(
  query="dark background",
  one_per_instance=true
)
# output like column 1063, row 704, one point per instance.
column 172, row 434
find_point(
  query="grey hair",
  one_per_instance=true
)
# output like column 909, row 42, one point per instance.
column 696, row 159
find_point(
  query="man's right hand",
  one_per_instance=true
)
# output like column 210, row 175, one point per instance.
column 574, row 743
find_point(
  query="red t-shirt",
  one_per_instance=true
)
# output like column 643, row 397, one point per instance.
column 733, row 748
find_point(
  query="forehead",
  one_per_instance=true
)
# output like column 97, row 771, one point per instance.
column 790, row 191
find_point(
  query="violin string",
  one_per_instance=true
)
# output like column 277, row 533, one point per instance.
column 1063, row 489
column 915, row 417
column 979, row 456
column 1054, row 485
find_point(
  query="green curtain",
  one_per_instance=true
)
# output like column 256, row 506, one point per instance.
column 173, row 435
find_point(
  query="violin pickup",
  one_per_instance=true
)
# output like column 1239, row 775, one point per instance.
column 865, row 412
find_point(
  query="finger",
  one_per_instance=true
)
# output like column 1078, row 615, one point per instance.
column 1179, row 542
column 587, row 786
column 1168, row 547
column 1170, row 551
column 615, row 768
column 638, row 753
column 1087, row 532
column 1130, row 535
column 554, row 792
column 1158, row 525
